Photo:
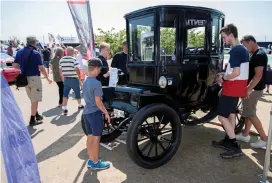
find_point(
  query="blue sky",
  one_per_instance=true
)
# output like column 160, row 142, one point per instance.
column 21, row 18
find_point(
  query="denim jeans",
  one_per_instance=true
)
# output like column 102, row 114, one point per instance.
column 71, row 83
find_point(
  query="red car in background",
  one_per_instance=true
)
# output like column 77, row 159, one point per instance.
column 4, row 57
column 9, row 72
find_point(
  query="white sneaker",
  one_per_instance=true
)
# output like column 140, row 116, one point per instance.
column 259, row 144
column 242, row 138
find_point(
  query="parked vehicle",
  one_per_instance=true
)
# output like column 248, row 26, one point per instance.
column 265, row 50
column 166, row 87
column 227, row 50
column 9, row 72
column 4, row 57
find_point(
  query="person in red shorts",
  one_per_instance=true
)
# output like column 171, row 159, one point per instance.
column 234, row 86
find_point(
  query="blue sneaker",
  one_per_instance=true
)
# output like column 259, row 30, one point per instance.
column 100, row 165
column 99, row 159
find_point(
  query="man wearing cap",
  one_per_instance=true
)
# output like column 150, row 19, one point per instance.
column 92, row 113
column 30, row 62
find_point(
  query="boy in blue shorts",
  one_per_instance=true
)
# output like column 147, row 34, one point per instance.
column 92, row 114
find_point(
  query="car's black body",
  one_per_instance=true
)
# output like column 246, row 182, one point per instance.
column 189, row 71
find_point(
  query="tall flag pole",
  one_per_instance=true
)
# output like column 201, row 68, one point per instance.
column 16, row 146
column 81, row 14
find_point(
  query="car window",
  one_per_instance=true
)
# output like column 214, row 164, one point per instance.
column 195, row 33
column 216, row 37
column 168, row 30
column 142, row 39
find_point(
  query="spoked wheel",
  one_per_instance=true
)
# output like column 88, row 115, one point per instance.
column 154, row 136
column 240, row 121
column 110, row 133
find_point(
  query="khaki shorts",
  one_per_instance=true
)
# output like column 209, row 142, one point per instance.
column 250, row 104
column 34, row 88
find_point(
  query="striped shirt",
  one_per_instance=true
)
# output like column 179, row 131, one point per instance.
column 68, row 66
column 237, row 87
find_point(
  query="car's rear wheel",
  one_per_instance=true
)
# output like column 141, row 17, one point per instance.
column 154, row 136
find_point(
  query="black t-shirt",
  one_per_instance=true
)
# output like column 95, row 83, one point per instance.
column 104, row 70
column 119, row 61
column 259, row 58
column 46, row 55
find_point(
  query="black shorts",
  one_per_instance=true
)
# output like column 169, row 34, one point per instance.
column 227, row 105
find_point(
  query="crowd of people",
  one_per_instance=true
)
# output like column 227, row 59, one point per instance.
column 244, row 78
column 66, row 71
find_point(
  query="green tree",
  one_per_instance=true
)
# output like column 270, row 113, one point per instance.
column 168, row 37
column 195, row 38
column 112, row 37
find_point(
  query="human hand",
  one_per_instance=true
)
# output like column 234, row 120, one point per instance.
column 107, row 117
column 49, row 80
column 106, row 75
column 219, row 78
column 248, row 93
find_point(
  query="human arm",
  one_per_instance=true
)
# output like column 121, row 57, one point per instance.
column 235, row 61
column 99, row 103
column 259, row 65
column 43, row 71
column 76, row 65
column 234, row 74
column 257, row 77
column 41, row 67
column 15, row 64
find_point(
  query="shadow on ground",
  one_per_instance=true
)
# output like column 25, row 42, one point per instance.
column 196, row 161
column 52, row 112
column 265, row 100
column 32, row 130
column 64, row 143
column 65, row 120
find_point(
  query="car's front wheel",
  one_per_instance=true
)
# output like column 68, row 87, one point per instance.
column 154, row 136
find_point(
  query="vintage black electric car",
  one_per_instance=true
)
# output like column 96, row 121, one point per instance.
column 174, row 55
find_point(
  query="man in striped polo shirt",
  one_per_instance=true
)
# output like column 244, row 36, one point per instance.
column 234, row 86
column 69, row 69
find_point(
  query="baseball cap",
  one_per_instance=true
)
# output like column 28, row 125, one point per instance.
column 95, row 62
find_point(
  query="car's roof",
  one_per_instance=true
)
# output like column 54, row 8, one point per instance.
column 175, row 6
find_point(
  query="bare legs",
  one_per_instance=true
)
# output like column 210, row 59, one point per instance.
column 228, row 125
column 255, row 121
column 34, row 108
column 93, row 147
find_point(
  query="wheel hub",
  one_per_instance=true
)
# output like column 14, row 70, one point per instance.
column 159, row 138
